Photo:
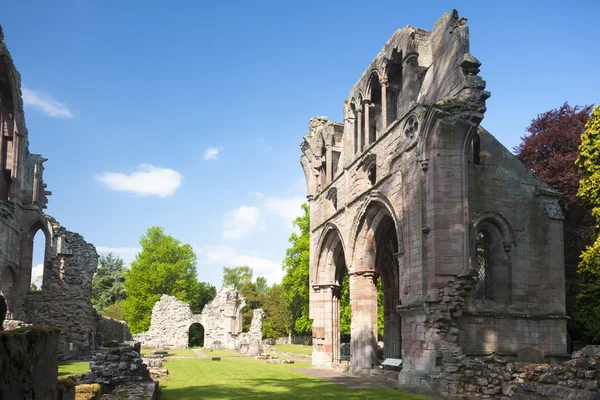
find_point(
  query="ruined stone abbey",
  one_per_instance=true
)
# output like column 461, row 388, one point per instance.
column 411, row 191
column 69, row 262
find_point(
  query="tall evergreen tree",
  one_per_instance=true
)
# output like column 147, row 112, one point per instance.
column 107, row 284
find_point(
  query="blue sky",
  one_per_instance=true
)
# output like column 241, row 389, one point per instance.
column 189, row 114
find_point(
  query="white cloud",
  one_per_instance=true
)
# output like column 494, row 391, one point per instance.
column 212, row 153
column 227, row 256
column 241, row 221
column 36, row 272
column 287, row 208
column 147, row 180
column 126, row 253
column 46, row 104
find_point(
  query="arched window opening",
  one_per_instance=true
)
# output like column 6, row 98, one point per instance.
column 6, row 133
column 483, row 266
column 476, row 149
column 394, row 76
column 196, row 335
column 361, row 134
column 355, row 125
column 372, row 173
column 7, row 287
column 375, row 126
column 38, row 261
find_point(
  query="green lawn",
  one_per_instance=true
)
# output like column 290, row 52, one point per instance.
column 222, row 353
column 294, row 348
column 72, row 368
column 177, row 352
column 247, row 378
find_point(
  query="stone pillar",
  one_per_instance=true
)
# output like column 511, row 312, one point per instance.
column 366, row 106
column 326, row 332
column 363, row 301
column 329, row 164
column 384, row 108
column 359, row 119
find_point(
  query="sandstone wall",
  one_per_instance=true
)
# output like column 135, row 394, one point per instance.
column 28, row 363
column 222, row 319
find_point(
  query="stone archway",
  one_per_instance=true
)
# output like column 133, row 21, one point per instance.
column 331, row 268
column 196, row 334
column 375, row 257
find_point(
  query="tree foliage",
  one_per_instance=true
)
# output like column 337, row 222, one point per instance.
column 164, row 266
column 296, row 280
column 550, row 149
column 278, row 319
column 107, row 284
column 115, row 311
column 237, row 276
column 588, row 300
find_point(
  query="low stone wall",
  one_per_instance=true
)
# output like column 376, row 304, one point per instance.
column 305, row 340
column 496, row 378
column 28, row 363
column 112, row 329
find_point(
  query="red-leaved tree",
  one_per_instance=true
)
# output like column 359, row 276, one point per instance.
column 550, row 149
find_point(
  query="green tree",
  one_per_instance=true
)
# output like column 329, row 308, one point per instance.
column 164, row 266
column 107, row 284
column 115, row 311
column 237, row 276
column 588, row 300
column 261, row 284
column 296, row 280
column 550, row 149
column 278, row 319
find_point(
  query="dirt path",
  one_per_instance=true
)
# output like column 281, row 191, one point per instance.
column 199, row 353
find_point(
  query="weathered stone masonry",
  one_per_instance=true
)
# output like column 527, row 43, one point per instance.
column 412, row 191
column 70, row 262
column 221, row 319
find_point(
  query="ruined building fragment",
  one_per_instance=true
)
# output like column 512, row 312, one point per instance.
column 411, row 191
column 69, row 262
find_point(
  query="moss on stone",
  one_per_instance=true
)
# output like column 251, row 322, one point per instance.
column 87, row 392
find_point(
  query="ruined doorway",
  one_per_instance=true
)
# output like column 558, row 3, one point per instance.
column 196, row 335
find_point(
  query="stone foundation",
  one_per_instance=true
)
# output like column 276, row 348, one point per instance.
column 496, row 378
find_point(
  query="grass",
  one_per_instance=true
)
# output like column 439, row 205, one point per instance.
column 173, row 352
column 221, row 353
column 73, row 368
column 294, row 349
column 247, row 378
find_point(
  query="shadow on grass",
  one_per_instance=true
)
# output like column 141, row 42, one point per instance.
column 293, row 388
column 73, row 368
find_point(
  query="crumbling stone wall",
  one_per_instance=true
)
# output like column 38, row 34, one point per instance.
column 69, row 262
column 111, row 329
column 251, row 342
column 28, row 363
column 169, row 326
column 497, row 378
column 222, row 319
column 401, row 192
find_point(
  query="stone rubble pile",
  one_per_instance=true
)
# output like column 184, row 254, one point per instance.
column 115, row 365
column 154, row 364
